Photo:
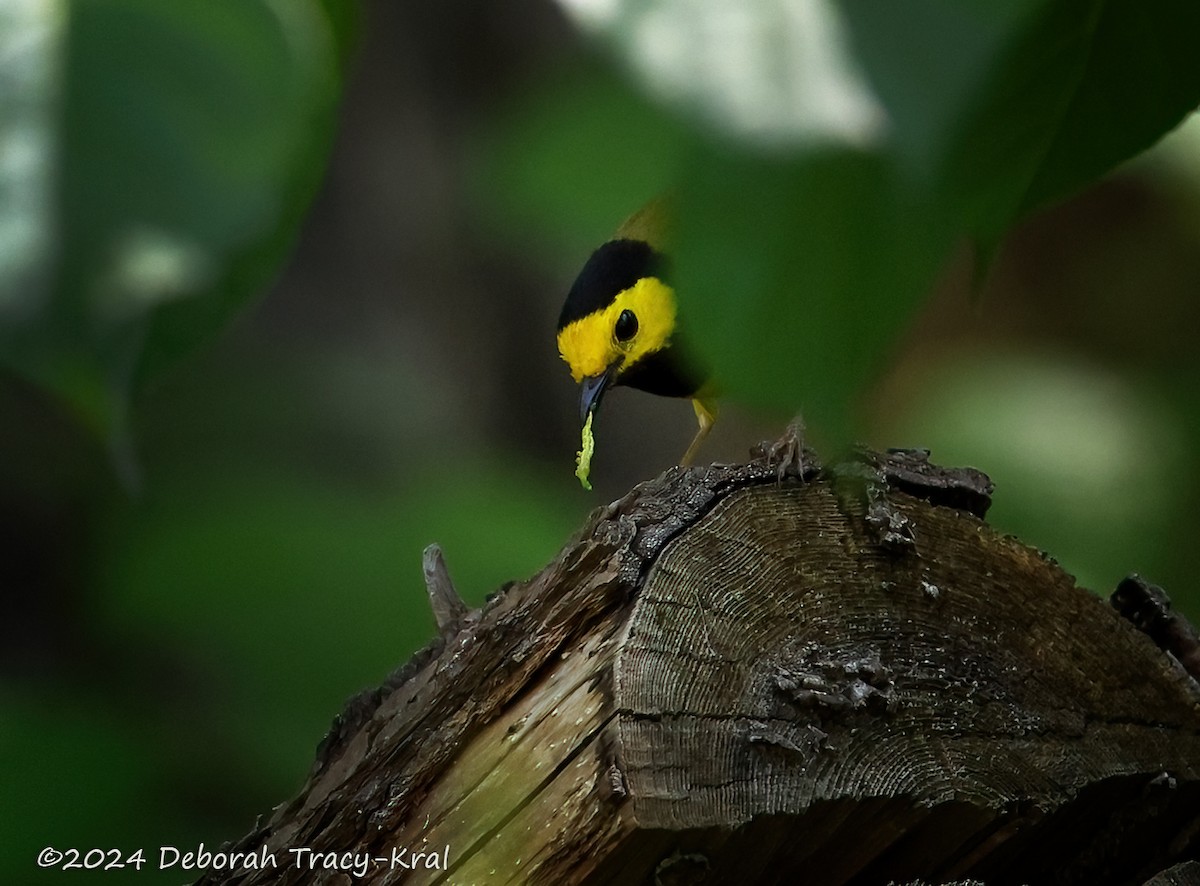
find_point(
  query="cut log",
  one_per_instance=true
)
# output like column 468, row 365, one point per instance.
column 749, row 674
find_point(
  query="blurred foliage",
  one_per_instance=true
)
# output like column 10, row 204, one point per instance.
column 831, row 227
column 1088, row 464
column 188, row 138
column 179, row 641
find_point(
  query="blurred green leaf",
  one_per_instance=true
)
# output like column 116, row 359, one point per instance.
column 928, row 60
column 798, row 273
column 190, row 136
column 1011, row 105
column 1078, row 88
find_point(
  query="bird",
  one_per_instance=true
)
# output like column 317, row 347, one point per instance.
column 620, row 325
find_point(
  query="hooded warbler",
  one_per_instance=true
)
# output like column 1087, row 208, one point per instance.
column 619, row 326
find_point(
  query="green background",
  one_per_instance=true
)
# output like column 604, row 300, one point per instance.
column 278, row 284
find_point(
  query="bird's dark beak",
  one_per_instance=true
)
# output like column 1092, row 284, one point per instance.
column 591, row 389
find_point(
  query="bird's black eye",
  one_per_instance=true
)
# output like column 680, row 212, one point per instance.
column 626, row 327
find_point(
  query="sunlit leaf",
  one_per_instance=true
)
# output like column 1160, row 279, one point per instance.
column 770, row 71
column 31, row 44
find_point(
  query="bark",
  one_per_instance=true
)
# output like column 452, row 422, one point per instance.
column 760, row 674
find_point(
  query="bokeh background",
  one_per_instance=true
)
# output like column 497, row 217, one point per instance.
column 210, row 534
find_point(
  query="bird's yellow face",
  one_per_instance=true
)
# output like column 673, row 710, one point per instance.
column 617, row 328
column 636, row 323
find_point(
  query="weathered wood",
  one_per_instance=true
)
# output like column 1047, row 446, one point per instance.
column 1147, row 606
column 1185, row 873
column 728, row 677
column 448, row 607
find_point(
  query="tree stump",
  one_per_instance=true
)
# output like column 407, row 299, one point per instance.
column 752, row 674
